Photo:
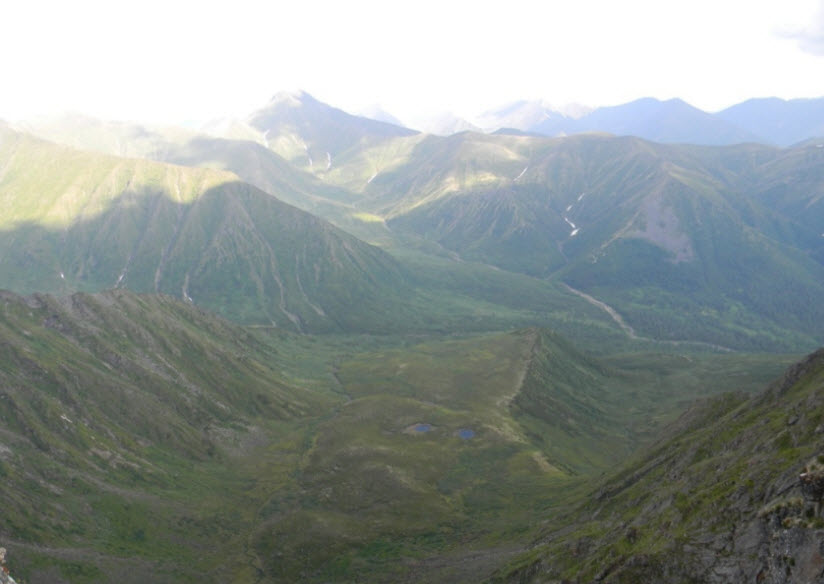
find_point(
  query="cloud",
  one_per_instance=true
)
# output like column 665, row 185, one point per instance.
column 810, row 38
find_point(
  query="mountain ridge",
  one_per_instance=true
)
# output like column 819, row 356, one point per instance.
column 104, row 222
column 717, row 500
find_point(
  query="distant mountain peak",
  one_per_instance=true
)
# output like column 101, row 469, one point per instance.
column 377, row 113
column 293, row 98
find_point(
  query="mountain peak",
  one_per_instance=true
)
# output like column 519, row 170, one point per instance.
column 293, row 98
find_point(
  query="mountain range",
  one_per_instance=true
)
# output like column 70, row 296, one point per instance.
column 714, row 244
column 337, row 349
column 102, row 222
column 764, row 120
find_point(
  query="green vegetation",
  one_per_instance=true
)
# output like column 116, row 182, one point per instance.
column 140, row 430
column 725, row 478
column 717, row 245
column 499, row 378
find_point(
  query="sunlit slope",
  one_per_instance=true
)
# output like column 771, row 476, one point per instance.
column 81, row 221
column 246, row 156
column 711, row 244
column 665, row 234
column 443, row 295
column 718, row 500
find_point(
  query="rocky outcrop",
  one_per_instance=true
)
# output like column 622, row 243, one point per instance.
column 5, row 577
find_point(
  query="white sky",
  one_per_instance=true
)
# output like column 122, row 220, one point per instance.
column 174, row 60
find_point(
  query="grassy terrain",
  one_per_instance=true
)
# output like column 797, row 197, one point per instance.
column 716, row 245
column 719, row 494
column 101, row 222
column 81, row 221
column 138, row 434
column 122, row 421
column 142, row 438
column 379, row 500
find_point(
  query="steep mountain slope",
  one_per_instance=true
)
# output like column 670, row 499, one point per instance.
column 241, row 152
column 793, row 185
column 778, row 121
column 672, row 237
column 311, row 134
column 441, row 294
column 718, row 245
column 79, row 221
column 138, row 431
column 720, row 500
column 121, row 419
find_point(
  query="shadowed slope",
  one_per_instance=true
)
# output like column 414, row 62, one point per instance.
column 121, row 417
column 79, row 221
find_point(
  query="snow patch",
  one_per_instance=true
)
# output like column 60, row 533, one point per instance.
column 309, row 156
column 63, row 276
column 569, row 207
column 265, row 138
column 581, row 196
column 185, row 290
column 328, row 161
column 570, row 223
column 575, row 232
column 65, row 418
column 522, row 172
column 371, row 178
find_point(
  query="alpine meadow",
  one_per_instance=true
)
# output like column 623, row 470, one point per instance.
column 302, row 345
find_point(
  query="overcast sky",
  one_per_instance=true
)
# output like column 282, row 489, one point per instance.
column 168, row 60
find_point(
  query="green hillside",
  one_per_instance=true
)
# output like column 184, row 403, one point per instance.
column 680, row 248
column 137, row 431
column 121, row 418
column 719, row 499
column 82, row 221
column 530, row 373
column 684, row 243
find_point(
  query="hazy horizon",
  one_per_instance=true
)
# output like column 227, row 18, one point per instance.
column 174, row 62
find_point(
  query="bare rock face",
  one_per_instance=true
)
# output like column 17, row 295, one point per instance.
column 5, row 577
column 793, row 556
column 811, row 482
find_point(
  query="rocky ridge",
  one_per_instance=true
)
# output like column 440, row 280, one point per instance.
column 720, row 500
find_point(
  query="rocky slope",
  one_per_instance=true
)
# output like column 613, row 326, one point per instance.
column 718, row 501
